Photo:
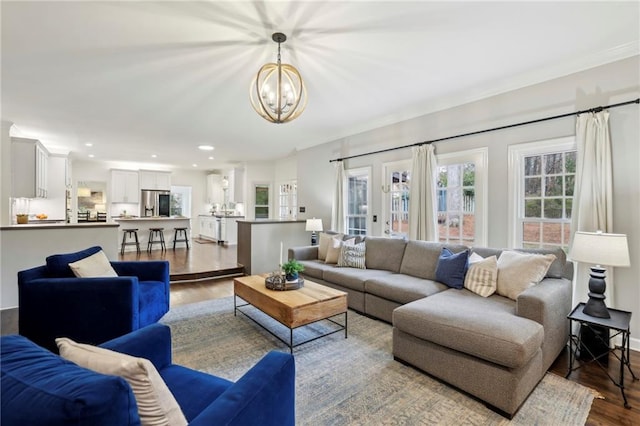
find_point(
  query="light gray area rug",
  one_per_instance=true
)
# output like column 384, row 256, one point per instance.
column 353, row 381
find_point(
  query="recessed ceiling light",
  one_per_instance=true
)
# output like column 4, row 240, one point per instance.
column 88, row 144
column 91, row 155
column 194, row 165
column 210, row 158
column 205, row 147
column 153, row 155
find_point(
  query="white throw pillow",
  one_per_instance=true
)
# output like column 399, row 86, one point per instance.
column 323, row 244
column 96, row 265
column 519, row 271
column 156, row 403
column 333, row 251
column 482, row 275
column 352, row 255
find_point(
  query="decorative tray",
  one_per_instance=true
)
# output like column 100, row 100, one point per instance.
column 278, row 283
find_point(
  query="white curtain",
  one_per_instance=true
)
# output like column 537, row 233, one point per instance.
column 593, row 194
column 423, row 215
column 337, row 211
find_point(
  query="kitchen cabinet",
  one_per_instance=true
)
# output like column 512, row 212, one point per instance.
column 155, row 180
column 215, row 193
column 124, row 187
column 229, row 230
column 207, row 227
column 29, row 159
column 235, row 192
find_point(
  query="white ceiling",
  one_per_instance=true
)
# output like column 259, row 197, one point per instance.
column 142, row 78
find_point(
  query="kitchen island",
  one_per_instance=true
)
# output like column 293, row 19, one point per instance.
column 143, row 224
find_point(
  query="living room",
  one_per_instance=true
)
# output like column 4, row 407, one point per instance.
column 516, row 99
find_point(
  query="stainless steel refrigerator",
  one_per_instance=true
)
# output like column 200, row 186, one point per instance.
column 155, row 203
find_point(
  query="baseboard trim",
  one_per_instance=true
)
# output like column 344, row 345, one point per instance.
column 634, row 344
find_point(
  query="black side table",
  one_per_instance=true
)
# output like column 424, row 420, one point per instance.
column 619, row 325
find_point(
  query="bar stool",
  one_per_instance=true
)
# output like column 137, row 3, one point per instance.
column 131, row 232
column 181, row 232
column 160, row 234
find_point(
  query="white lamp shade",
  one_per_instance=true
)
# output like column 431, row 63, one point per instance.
column 314, row 225
column 599, row 248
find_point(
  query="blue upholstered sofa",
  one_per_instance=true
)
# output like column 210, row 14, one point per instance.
column 54, row 303
column 40, row 388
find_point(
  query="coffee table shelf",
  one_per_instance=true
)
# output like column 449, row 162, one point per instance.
column 295, row 308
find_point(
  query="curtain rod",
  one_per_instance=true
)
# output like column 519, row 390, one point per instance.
column 477, row 132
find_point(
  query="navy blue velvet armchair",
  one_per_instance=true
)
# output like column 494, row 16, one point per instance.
column 54, row 303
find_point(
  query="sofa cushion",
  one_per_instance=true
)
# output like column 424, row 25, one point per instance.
column 315, row 268
column 96, row 265
column 384, row 253
column 323, row 244
column 482, row 275
column 452, row 268
column 518, row 271
column 556, row 270
column 156, row 404
column 421, row 258
column 486, row 328
column 335, row 248
column 402, row 288
column 352, row 278
column 58, row 264
column 36, row 381
column 353, row 255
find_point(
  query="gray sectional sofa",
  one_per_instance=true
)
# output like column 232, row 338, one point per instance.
column 494, row 348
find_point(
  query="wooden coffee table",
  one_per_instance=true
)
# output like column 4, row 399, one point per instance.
column 293, row 308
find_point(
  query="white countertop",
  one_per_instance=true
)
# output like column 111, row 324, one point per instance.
column 148, row 218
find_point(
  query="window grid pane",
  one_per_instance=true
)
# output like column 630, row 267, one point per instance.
column 548, row 182
column 357, row 196
column 456, row 203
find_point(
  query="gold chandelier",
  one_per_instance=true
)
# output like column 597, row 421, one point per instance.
column 277, row 92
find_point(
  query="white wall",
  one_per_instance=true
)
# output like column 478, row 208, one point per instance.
column 608, row 84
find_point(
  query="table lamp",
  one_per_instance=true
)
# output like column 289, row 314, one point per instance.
column 599, row 249
column 314, row 225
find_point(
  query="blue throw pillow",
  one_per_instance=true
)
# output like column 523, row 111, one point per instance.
column 452, row 268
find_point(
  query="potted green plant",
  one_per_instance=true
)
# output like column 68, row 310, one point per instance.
column 291, row 269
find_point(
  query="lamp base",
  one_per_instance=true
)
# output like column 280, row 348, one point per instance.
column 314, row 238
column 595, row 306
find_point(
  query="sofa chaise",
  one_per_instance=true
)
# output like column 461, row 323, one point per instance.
column 494, row 348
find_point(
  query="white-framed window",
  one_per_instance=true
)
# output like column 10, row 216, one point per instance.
column 462, row 193
column 541, row 183
column 261, row 197
column 358, row 200
column 288, row 200
column 396, row 181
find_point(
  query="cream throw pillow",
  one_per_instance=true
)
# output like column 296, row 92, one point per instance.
column 96, row 265
column 334, row 249
column 482, row 275
column 156, row 404
column 519, row 271
column 323, row 244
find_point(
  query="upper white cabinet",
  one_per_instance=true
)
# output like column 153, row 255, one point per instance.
column 124, row 186
column 215, row 194
column 28, row 168
column 235, row 192
column 155, row 180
